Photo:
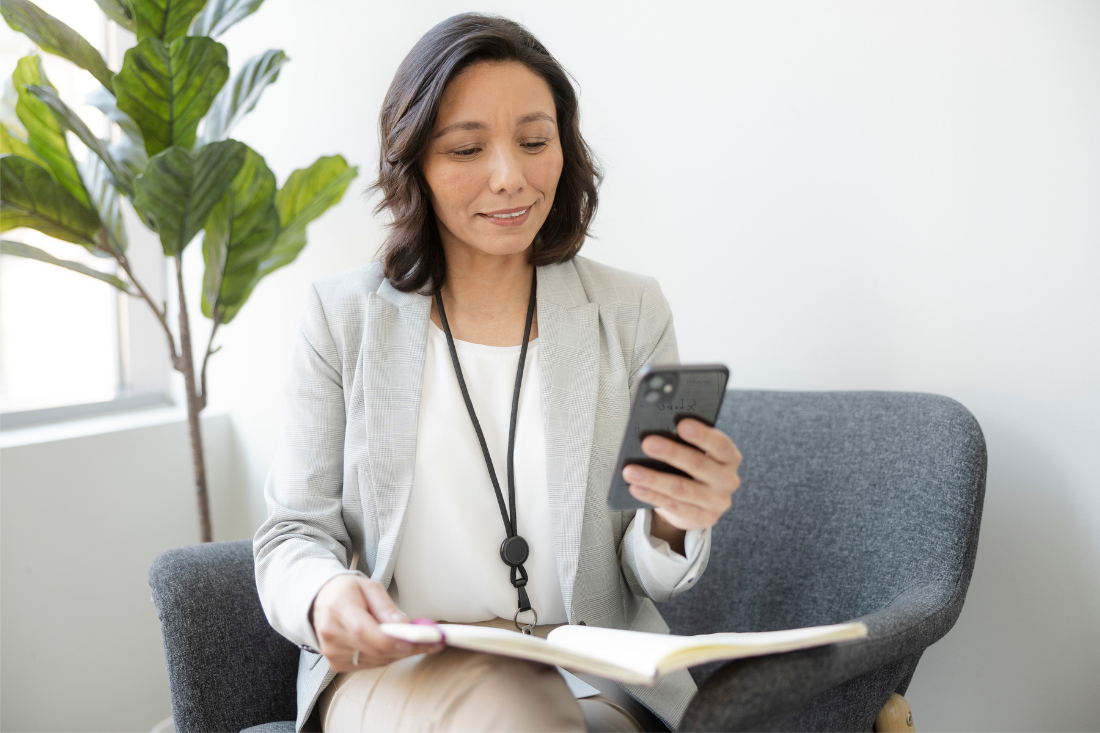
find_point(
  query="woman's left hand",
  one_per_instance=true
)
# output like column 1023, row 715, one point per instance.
column 687, row 503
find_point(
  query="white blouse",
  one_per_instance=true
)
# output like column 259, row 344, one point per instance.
column 448, row 567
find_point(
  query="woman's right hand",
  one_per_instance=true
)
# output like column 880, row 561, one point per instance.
column 345, row 616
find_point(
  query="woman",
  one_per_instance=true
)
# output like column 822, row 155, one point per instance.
column 479, row 342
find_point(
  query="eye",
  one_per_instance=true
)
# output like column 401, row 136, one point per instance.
column 466, row 152
column 534, row 146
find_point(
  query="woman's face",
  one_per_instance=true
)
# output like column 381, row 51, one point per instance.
column 494, row 159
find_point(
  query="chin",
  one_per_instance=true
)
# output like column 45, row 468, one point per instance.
column 503, row 245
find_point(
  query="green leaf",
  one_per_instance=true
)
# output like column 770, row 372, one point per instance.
column 107, row 201
column 237, row 99
column 44, row 134
column 119, row 11
column 30, row 197
column 307, row 193
column 179, row 189
column 123, row 176
column 218, row 15
column 11, row 145
column 53, row 36
column 18, row 249
column 165, row 20
column 168, row 89
column 240, row 232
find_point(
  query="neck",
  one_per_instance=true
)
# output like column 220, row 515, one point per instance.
column 486, row 296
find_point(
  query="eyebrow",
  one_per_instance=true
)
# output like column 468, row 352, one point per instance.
column 473, row 125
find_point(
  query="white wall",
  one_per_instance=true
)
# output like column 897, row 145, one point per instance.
column 835, row 196
column 85, row 508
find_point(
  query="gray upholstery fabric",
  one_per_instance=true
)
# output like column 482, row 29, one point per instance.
column 282, row 726
column 227, row 668
column 852, row 505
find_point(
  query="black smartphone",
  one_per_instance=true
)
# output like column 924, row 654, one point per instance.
column 666, row 395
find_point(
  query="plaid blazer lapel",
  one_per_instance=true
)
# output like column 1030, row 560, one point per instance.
column 392, row 355
column 569, row 360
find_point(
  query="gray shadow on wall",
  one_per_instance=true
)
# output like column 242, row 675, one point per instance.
column 1025, row 653
column 227, row 478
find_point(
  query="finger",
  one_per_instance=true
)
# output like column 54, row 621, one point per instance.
column 692, row 516
column 688, row 459
column 364, row 634
column 678, row 514
column 363, row 627
column 380, row 604
column 382, row 608
column 711, row 441
column 676, row 487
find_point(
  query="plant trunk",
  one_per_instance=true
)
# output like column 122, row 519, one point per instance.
column 195, row 404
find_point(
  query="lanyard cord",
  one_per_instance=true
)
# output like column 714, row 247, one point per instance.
column 514, row 550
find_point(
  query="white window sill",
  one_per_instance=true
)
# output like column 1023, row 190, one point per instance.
column 99, row 425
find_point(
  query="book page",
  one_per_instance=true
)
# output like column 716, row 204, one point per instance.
column 627, row 656
column 512, row 644
column 665, row 653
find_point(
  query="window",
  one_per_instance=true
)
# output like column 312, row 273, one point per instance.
column 70, row 345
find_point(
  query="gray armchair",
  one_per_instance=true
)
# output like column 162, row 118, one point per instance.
column 853, row 505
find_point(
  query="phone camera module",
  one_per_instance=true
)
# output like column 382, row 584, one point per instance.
column 659, row 387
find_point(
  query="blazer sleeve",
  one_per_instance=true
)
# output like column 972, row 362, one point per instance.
column 651, row 568
column 303, row 544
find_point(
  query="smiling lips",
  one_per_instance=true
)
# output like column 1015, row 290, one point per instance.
column 508, row 217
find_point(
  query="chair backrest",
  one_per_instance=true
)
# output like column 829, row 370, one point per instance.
column 848, row 501
column 227, row 668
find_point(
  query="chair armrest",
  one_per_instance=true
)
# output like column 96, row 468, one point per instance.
column 762, row 693
column 227, row 668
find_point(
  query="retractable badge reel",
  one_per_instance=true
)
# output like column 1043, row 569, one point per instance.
column 514, row 550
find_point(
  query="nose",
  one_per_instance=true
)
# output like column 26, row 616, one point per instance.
column 506, row 171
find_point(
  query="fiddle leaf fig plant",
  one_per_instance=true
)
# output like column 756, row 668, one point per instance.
column 175, row 104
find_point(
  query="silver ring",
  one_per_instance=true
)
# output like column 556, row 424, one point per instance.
column 526, row 627
column 355, row 659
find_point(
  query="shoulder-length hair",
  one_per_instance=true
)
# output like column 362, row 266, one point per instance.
column 412, row 255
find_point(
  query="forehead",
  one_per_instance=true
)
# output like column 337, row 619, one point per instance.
column 494, row 92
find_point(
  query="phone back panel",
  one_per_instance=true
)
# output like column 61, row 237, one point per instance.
column 666, row 395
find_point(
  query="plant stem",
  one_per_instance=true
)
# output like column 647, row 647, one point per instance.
column 194, row 406
column 209, row 351
column 161, row 315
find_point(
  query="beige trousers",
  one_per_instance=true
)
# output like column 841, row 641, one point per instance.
column 459, row 690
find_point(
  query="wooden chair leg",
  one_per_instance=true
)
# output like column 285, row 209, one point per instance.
column 895, row 716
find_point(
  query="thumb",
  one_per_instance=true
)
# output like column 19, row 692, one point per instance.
column 379, row 603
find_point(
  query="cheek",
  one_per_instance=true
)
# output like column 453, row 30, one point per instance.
column 546, row 171
column 453, row 187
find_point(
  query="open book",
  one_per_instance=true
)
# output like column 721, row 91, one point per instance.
column 627, row 656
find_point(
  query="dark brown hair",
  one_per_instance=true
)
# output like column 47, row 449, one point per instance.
column 412, row 255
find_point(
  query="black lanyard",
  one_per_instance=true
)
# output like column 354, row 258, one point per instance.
column 514, row 550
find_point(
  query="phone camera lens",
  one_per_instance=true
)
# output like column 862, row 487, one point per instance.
column 652, row 396
column 656, row 383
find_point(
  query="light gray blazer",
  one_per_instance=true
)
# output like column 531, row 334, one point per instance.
column 344, row 470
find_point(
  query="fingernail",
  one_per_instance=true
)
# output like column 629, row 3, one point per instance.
column 688, row 428
column 632, row 473
column 637, row 490
column 399, row 617
column 655, row 446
